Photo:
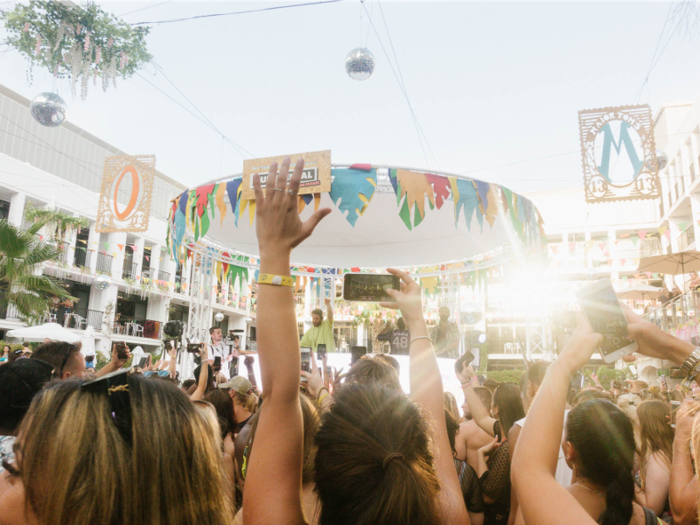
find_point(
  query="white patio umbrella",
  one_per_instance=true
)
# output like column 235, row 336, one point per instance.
column 88, row 342
column 678, row 263
column 641, row 291
column 52, row 331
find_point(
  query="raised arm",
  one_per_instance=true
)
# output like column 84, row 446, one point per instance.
column 115, row 363
column 684, row 489
column 203, row 375
column 427, row 390
column 541, row 498
column 480, row 413
column 273, row 481
column 329, row 310
column 172, row 365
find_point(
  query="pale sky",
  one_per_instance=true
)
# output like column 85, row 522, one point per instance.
column 492, row 84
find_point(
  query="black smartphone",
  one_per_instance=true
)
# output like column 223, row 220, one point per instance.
column 356, row 353
column 369, row 287
column 321, row 351
column 217, row 363
column 122, row 350
column 143, row 362
column 464, row 360
column 306, row 359
column 601, row 306
column 193, row 348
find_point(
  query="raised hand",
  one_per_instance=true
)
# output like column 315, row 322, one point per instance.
column 278, row 225
column 408, row 300
column 583, row 343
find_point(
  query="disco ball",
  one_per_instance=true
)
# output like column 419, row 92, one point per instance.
column 359, row 64
column 661, row 159
column 218, row 317
column 102, row 282
column 48, row 109
column 471, row 313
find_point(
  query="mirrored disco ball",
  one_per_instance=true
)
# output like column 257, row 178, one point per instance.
column 661, row 159
column 218, row 317
column 102, row 282
column 48, row 109
column 359, row 64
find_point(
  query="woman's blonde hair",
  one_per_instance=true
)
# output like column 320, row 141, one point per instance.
column 656, row 434
column 248, row 401
column 80, row 474
column 451, row 406
column 171, row 472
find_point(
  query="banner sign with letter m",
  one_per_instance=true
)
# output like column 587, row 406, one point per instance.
column 619, row 154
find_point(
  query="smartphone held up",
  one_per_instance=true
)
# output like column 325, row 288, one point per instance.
column 369, row 287
column 602, row 308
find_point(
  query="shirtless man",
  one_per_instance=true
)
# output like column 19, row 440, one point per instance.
column 471, row 437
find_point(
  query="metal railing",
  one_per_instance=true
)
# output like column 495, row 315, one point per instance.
column 82, row 258
column 104, row 263
column 81, row 318
column 147, row 273
column 163, row 276
column 679, row 316
column 129, row 271
column 132, row 327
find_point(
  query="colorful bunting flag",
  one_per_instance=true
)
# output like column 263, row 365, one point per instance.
column 352, row 191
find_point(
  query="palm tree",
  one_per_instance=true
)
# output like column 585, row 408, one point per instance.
column 21, row 255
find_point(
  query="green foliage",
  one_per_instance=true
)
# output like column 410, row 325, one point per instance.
column 483, row 359
column 506, row 376
column 56, row 22
column 21, row 252
column 59, row 223
column 607, row 375
column 102, row 360
column 13, row 346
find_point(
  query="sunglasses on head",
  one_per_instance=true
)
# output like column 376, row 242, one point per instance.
column 161, row 373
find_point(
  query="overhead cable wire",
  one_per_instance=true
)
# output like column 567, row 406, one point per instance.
column 232, row 13
column 403, row 83
column 655, row 58
column 234, row 144
column 144, row 8
column 204, row 121
column 393, row 70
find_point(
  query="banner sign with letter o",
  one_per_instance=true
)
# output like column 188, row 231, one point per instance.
column 619, row 154
column 125, row 198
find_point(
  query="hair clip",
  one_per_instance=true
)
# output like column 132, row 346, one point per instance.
column 116, row 387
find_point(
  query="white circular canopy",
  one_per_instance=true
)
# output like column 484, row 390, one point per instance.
column 488, row 217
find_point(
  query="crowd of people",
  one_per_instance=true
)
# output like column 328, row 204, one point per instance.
column 125, row 445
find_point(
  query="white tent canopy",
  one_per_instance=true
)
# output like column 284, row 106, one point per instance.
column 52, row 331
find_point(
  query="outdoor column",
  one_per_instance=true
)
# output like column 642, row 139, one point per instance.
column 154, row 261
column 138, row 256
column 16, row 214
column 93, row 247
column 115, row 241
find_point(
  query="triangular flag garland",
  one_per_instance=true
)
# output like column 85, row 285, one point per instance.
column 352, row 190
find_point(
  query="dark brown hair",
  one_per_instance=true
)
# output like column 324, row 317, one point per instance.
column 374, row 463
column 223, row 405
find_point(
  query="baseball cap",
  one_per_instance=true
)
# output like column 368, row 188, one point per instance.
column 238, row 383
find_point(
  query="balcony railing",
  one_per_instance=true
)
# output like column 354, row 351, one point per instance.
column 679, row 316
column 132, row 327
column 104, row 263
column 163, row 276
column 82, row 258
column 147, row 273
column 81, row 318
column 129, row 271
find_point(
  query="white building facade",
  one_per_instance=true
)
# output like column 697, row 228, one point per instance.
column 61, row 169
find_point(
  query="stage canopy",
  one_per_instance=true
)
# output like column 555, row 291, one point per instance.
column 382, row 216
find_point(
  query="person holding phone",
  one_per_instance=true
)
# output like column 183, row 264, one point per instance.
column 321, row 331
